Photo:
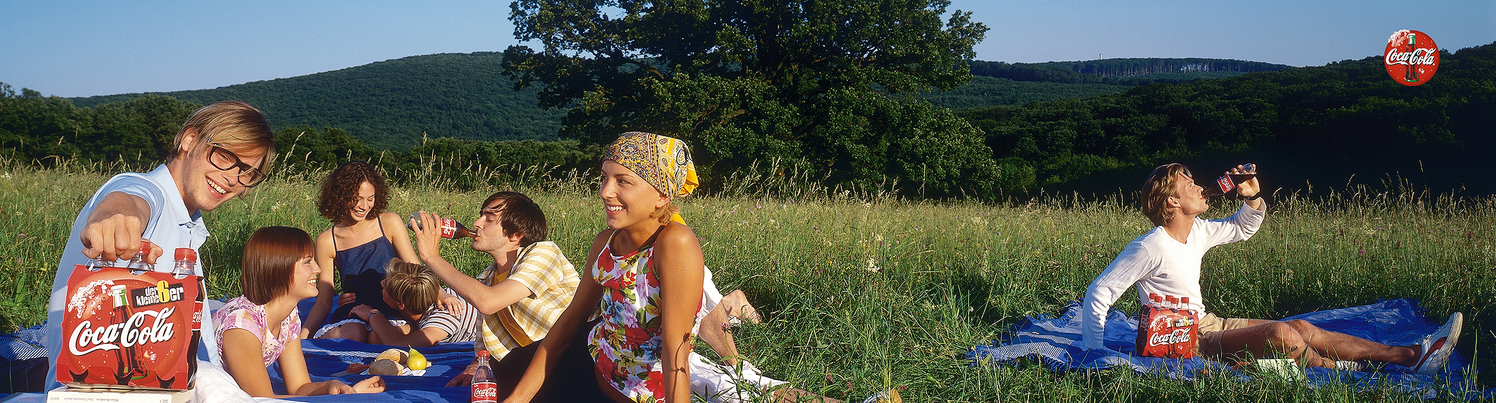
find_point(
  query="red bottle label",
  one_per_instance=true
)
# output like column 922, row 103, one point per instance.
column 1225, row 184
column 485, row 392
column 449, row 228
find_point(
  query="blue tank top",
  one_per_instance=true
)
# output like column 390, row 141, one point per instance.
column 363, row 268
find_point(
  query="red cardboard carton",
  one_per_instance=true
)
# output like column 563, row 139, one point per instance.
column 130, row 330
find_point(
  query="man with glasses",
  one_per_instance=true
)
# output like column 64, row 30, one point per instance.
column 222, row 150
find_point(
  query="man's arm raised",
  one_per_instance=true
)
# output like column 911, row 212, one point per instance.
column 487, row 299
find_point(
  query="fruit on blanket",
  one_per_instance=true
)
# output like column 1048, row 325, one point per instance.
column 394, row 354
column 416, row 361
column 357, row 368
column 385, row 366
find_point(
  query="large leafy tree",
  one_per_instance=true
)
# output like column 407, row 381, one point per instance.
column 827, row 84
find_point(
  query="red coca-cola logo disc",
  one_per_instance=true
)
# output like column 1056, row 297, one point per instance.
column 1411, row 57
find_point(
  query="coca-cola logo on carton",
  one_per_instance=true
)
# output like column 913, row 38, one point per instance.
column 128, row 329
column 1411, row 57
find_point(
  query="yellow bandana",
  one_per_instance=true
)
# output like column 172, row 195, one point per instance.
column 663, row 162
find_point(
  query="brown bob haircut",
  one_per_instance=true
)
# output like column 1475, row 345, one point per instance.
column 233, row 124
column 340, row 190
column 1162, row 184
column 270, row 258
column 519, row 214
column 412, row 284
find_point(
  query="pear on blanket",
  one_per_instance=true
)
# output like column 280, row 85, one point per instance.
column 416, row 360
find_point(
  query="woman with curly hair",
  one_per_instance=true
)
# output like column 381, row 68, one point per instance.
column 359, row 245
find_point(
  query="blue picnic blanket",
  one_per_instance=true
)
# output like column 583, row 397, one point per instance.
column 1056, row 342
column 329, row 359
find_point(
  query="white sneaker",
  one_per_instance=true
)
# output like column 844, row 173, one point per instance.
column 1438, row 345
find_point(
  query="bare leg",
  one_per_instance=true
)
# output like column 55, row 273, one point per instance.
column 1341, row 346
column 1309, row 345
column 714, row 333
column 738, row 306
column 350, row 331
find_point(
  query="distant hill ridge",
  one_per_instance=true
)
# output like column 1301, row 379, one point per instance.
column 395, row 103
column 1124, row 71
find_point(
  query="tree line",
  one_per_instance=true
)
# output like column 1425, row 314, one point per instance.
column 1317, row 124
column 138, row 133
column 1323, row 125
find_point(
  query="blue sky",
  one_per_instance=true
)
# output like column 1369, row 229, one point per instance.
column 83, row 48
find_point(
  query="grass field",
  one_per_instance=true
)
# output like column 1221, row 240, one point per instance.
column 863, row 291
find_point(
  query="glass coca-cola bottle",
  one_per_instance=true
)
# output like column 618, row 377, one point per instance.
column 123, row 357
column 451, row 229
column 1412, row 63
column 1228, row 182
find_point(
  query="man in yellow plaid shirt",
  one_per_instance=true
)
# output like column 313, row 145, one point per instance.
column 520, row 294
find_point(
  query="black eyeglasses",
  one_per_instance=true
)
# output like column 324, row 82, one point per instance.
column 224, row 160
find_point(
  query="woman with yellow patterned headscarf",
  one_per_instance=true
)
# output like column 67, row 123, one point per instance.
column 646, row 276
column 644, row 273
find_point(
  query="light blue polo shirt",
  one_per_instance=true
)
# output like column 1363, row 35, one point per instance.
column 170, row 226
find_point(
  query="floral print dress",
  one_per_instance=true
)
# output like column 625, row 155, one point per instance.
column 627, row 343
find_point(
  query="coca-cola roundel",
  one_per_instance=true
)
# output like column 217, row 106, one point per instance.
column 132, row 330
column 1411, row 57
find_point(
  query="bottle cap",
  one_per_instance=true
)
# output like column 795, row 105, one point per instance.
column 483, row 353
column 187, row 254
column 145, row 247
column 1184, row 300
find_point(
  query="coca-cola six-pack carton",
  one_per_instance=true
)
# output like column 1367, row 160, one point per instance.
column 129, row 329
column 1167, row 328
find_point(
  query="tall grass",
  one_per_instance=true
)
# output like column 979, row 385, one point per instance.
column 865, row 291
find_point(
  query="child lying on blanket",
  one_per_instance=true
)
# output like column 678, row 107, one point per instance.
column 413, row 291
column 263, row 327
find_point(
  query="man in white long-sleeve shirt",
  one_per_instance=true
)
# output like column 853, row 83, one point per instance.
column 1167, row 259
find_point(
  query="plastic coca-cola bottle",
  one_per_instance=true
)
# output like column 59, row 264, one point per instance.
column 451, row 229
column 1227, row 183
column 186, row 265
column 484, row 388
column 137, row 264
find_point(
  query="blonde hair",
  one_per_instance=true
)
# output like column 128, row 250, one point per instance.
column 232, row 124
column 664, row 213
column 412, row 284
column 1162, row 184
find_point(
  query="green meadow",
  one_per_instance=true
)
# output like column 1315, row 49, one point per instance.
column 863, row 291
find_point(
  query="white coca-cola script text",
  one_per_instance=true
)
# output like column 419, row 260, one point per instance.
column 1177, row 336
column 1418, row 57
column 132, row 332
